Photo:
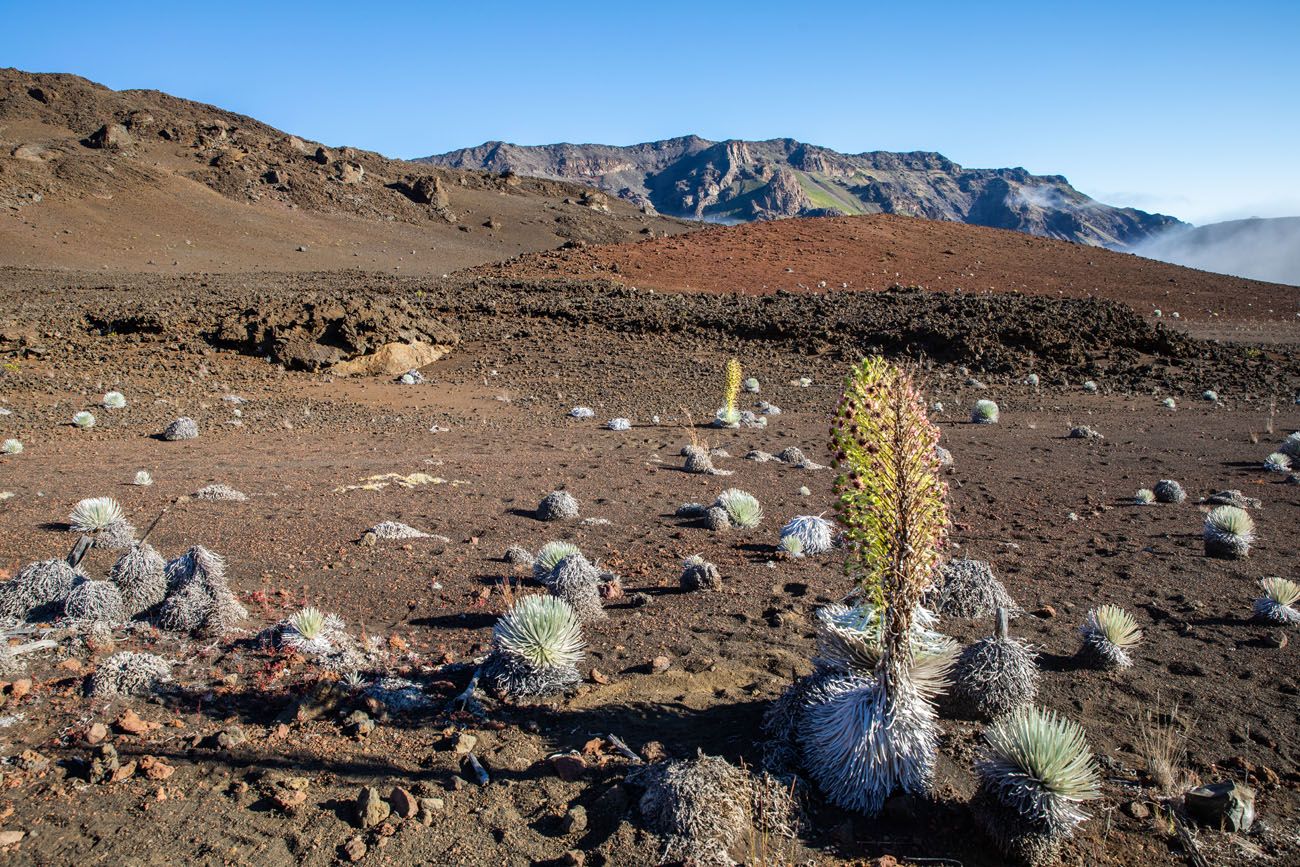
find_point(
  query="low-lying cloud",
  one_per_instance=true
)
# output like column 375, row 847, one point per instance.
column 1261, row 249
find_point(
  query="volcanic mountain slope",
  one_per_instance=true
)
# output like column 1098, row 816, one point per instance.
column 877, row 252
column 735, row 181
column 138, row 180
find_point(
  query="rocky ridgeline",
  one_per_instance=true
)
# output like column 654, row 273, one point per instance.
column 763, row 180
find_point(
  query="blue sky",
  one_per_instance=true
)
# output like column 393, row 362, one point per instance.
column 1189, row 108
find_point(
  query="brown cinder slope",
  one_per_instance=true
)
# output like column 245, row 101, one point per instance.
column 137, row 180
column 876, row 252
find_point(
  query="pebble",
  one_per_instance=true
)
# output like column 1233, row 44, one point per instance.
column 96, row 733
column 372, row 810
column 575, row 821
column 355, row 849
column 660, row 664
column 464, row 744
column 1277, row 639
column 569, row 767
column 1137, row 809
column 403, row 803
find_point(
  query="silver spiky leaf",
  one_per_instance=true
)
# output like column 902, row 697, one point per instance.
column 577, row 582
column 140, row 576
column 860, row 742
column 815, row 534
column 95, row 513
column 537, row 645
column 1037, row 767
column 1109, row 632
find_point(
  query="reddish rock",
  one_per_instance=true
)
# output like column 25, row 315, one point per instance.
column 569, row 767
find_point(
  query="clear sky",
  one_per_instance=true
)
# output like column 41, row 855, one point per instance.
column 1190, row 108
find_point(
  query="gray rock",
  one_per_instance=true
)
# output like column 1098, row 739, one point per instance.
column 1229, row 806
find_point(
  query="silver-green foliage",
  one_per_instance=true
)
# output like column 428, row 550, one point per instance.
column 742, row 508
column 94, row 514
column 985, row 412
column 1228, row 532
column 1109, row 633
column 1275, row 606
column 1035, row 773
column 549, row 557
column 537, row 646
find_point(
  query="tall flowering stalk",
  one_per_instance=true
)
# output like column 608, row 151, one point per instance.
column 891, row 499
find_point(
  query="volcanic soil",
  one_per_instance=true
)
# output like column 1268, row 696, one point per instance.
column 835, row 254
column 249, row 726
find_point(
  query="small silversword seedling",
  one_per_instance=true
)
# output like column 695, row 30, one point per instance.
column 1169, row 403
column 985, row 412
column 143, row 478
column 537, row 646
column 83, row 420
column 1277, row 463
column 1209, row 395
column 1144, row 497
column 1169, row 491
column 791, row 546
column 1228, row 532
column 742, row 508
column 1109, row 633
column 1275, row 606
column 94, row 514
column 550, row 556
column 114, row 400
column 814, row 533
column 1035, row 772
column 751, row 385
column 619, row 424
column 11, row 447
column 1291, row 445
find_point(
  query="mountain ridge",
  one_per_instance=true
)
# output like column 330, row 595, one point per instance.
column 737, row 180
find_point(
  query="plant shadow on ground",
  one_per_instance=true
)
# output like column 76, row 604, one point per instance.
column 919, row 828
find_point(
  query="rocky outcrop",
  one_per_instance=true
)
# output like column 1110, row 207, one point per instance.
column 782, row 197
column 744, row 180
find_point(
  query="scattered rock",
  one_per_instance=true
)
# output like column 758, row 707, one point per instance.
column 372, row 809
column 569, row 767
column 96, row 733
column 464, row 744
column 1276, row 639
column 110, row 136
column 660, row 664
column 130, row 723
column 653, row 751
column 575, row 821
column 1229, row 806
column 392, row 359
column 231, row 737
column 32, row 761
column 11, row 838
column 155, row 768
column 1137, row 810
column 403, row 803
column 355, row 849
